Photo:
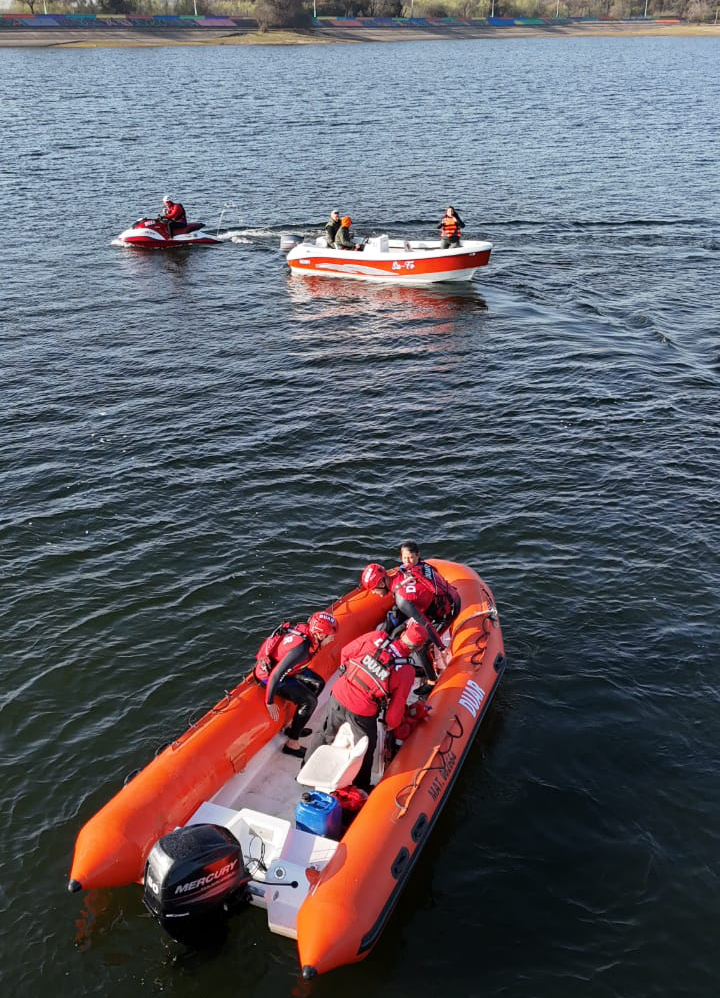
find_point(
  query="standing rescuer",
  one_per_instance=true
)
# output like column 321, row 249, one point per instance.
column 281, row 666
column 376, row 672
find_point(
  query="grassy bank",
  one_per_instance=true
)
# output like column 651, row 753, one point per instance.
column 98, row 38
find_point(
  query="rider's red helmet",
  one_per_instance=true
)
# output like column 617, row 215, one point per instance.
column 373, row 575
column 323, row 624
column 415, row 633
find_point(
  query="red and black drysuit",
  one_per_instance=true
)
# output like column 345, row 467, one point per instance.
column 421, row 593
column 282, row 668
column 376, row 674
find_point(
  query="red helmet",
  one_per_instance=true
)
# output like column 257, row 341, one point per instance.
column 373, row 574
column 415, row 633
column 323, row 623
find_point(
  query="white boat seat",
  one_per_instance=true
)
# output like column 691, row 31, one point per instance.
column 332, row 767
column 379, row 243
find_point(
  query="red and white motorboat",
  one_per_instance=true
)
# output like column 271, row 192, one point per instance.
column 384, row 259
column 149, row 233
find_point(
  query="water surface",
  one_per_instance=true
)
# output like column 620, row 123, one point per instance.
column 195, row 447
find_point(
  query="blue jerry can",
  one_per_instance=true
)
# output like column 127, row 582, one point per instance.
column 319, row 813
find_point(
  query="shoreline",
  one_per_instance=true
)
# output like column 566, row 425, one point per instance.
column 129, row 38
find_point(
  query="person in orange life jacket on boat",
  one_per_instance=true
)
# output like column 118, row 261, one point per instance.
column 343, row 238
column 376, row 671
column 450, row 227
column 281, row 667
column 423, row 594
column 173, row 215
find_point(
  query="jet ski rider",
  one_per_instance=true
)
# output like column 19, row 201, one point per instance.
column 173, row 215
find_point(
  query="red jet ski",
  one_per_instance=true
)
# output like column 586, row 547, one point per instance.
column 153, row 233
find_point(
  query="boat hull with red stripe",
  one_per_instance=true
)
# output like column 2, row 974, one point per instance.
column 383, row 259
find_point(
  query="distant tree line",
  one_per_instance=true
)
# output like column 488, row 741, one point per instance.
column 297, row 13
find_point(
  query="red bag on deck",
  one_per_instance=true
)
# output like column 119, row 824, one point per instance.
column 351, row 798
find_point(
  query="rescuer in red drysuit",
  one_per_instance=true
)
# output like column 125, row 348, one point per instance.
column 376, row 673
column 281, row 666
column 420, row 593
column 446, row 605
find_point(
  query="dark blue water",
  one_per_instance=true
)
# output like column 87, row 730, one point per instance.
column 195, row 447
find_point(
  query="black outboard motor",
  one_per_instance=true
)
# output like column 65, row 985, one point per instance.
column 194, row 878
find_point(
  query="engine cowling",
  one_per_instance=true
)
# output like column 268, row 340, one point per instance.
column 195, row 877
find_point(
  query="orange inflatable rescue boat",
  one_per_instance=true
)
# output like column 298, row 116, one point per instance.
column 221, row 818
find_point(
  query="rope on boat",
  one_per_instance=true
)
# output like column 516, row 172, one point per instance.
column 489, row 620
column 421, row 773
column 174, row 743
column 217, row 709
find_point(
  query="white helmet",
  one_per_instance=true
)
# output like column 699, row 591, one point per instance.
column 168, row 200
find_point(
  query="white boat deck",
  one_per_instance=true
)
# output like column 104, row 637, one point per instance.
column 393, row 247
column 258, row 806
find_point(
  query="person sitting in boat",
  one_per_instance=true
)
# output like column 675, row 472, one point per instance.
column 331, row 228
column 173, row 215
column 376, row 672
column 281, row 666
column 420, row 593
column 343, row 238
column 412, row 562
column 450, row 227
column 410, row 555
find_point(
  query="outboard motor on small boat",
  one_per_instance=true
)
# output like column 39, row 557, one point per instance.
column 195, row 878
column 288, row 241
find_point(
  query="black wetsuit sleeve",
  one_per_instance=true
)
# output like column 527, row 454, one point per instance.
column 410, row 610
column 298, row 655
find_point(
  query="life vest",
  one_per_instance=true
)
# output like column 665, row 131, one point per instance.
column 270, row 651
column 450, row 226
column 372, row 672
column 413, row 585
column 428, row 579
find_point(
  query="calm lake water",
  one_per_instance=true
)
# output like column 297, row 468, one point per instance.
column 195, row 447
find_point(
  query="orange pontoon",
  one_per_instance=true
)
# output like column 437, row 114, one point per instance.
column 227, row 772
